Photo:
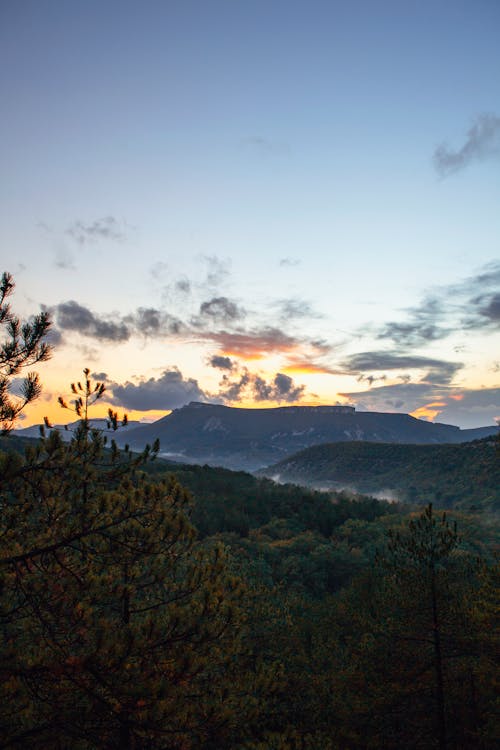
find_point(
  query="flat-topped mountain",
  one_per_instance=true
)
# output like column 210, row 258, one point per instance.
column 252, row 438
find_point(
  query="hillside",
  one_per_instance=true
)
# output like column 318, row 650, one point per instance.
column 251, row 438
column 465, row 475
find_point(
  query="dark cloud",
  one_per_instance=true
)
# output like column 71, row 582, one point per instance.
column 151, row 322
column 439, row 371
column 170, row 391
column 423, row 326
column 252, row 344
column 482, row 142
column 473, row 303
column 71, row 316
column 222, row 363
column 102, row 377
column 145, row 321
column 370, row 379
column 281, row 389
column 221, row 310
column 105, row 228
column 488, row 307
column 285, row 386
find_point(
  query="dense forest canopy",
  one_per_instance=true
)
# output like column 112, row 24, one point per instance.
column 150, row 606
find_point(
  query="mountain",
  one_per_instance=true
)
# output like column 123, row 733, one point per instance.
column 466, row 475
column 251, row 438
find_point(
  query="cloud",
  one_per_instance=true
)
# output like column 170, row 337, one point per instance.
column 170, row 391
column 65, row 260
column 261, row 342
column 472, row 303
column 255, row 387
column 217, row 270
column 482, row 142
column 296, row 308
column 452, row 405
column 183, row 286
column 220, row 310
column 71, row 316
column 222, row 363
column 151, row 322
column 439, row 371
column 488, row 309
column 266, row 146
column 422, row 327
column 145, row 321
column 254, row 344
column 289, row 262
column 105, row 228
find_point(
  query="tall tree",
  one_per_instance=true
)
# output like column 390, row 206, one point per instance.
column 120, row 630
column 410, row 647
column 21, row 345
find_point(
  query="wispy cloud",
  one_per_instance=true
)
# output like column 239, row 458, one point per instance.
column 472, row 303
column 482, row 142
column 295, row 308
column 105, row 228
column 266, row 146
column 436, row 370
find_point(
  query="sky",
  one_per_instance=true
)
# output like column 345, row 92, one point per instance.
column 257, row 203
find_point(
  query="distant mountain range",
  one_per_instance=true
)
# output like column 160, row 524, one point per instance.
column 466, row 475
column 252, row 438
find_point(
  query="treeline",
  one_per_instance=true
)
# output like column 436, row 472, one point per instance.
column 294, row 619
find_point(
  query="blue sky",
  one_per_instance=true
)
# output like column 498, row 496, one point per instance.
column 307, row 190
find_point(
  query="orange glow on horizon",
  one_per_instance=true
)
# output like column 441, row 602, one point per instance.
column 428, row 411
column 307, row 368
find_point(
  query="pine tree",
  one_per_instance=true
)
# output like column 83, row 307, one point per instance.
column 120, row 629
column 21, row 345
column 411, row 653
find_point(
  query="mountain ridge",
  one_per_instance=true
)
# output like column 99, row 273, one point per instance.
column 239, row 438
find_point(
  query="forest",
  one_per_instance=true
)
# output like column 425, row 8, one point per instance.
column 147, row 606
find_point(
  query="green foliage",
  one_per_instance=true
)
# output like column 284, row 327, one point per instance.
column 21, row 345
column 120, row 629
column 411, row 637
column 463, row 476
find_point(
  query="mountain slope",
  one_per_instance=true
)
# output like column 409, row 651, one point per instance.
column 252, row 438
column 450, row 475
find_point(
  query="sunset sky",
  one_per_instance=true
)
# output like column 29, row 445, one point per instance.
column 257, row 203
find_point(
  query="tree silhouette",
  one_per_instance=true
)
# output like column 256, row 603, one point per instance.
column 21, row 345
